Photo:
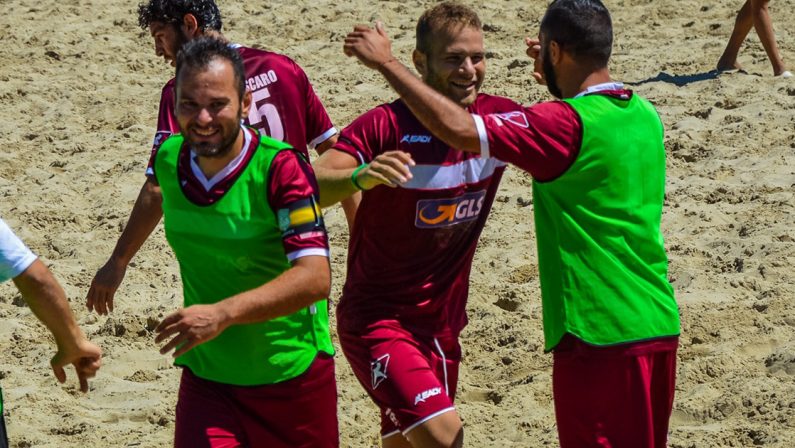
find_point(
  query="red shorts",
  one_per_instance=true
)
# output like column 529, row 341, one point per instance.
column 301, row 412
column 411, row 378
column 614, row 397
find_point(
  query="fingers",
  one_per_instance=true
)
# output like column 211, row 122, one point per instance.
column 189, row 344
column 83, row 382
column 167, row 322
column 393, row 167
column 59, row 372
column 379, row 27
column 177, row 341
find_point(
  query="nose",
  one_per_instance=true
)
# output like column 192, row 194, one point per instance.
column 158, row 49
column 467, row 67
column 204, row 117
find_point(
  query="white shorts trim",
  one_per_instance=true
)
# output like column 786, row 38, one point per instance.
column 444, row 366
column 435, row 414
column 393, row 433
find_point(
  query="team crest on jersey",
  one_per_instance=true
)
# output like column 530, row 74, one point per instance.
column 443, row 212
column 160, row 137
column 378, row 370
column 516, row 117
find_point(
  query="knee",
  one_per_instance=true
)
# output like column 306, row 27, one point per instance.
column 759, row 5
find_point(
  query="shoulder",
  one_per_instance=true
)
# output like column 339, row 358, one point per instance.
column 486, row 104
column 168, row 88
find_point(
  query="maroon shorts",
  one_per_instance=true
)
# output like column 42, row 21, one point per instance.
column 411, row 378
column 301, row 412
column 614, row 397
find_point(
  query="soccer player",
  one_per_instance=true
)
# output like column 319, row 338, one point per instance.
column 48, row 302
column 240, row 212
column 411, row 249
column 598, row 162
column 284, row 107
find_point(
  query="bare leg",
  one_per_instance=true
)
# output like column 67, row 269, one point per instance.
column 442, row 431
column 742, row 26
column 764, row 29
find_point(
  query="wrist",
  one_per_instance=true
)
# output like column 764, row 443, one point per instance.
column 385, row 65
column 355, row 177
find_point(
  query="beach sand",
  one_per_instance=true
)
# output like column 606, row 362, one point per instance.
column 80, row 84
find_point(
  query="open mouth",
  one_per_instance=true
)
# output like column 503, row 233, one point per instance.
column 468, row 85
column 204, row 133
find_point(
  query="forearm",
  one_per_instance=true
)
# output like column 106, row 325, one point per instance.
column 445, row 119
column 145, row 215
column 47, row 300
column 334, row 184
column 295, row 289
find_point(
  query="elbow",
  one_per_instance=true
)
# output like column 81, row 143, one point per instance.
column 318, row 284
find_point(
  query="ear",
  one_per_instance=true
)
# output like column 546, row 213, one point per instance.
column 420, row 62
column 190, row 26
column 555, row 53
column 246, row 104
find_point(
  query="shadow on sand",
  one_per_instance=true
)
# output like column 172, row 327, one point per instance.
column 682, row 80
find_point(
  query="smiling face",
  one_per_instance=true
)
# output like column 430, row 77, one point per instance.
column 168, row 40
column 456, row 65
column 209, row 108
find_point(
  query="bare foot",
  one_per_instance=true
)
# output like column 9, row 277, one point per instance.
column 724, row 66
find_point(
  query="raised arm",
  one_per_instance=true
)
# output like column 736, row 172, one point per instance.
column 445, row 119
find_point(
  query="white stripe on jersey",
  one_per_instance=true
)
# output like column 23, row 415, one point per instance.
column 312, row 251
column 440, row 177
column 323, row 137
column 484, row 138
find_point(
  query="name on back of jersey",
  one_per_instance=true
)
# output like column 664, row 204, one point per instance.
column 444, row 212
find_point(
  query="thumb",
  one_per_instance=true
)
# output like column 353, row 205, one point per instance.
column 379, row 26
column 57, row 369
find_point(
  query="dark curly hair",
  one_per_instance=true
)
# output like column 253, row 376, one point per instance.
column 172, row 11
column 198, row 53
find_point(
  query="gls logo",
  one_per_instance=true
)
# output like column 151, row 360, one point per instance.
column 415, row 139
column 422, row 396
column 433, row 213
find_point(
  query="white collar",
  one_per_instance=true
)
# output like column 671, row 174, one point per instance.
column 601, row 88
column 230, row 167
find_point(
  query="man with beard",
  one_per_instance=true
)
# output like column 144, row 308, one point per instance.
column 240, row 212
column 284, row 106
column 598, row 162
column 422, row 211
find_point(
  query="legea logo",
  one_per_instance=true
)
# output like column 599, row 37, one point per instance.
column 444, row 212
column 415, row 139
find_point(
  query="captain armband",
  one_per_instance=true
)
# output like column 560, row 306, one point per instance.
column 300, row 217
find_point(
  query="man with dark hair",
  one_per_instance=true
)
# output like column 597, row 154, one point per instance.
column 240, row 212
column 285, row 107
column 598, row 163
column 47, row 300
column 403, row 304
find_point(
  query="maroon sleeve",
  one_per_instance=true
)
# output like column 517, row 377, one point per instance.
column 543, row 139
column 166, row 125
column 369, row 135
column 319, row 127
column 292, row 188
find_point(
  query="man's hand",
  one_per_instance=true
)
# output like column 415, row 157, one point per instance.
column 390, row 168
column 370, row 46
column 85, row 356
column 190, row 327
column 534, row 51
column 104, row 286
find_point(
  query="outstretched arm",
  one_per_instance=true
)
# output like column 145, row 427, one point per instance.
column 335, row 174
column 145, row 215
column 48, row 302
column 306, row 282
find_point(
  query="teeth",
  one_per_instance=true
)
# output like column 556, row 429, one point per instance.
column 204, row 133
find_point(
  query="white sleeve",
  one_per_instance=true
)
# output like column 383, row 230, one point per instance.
column 15, row 257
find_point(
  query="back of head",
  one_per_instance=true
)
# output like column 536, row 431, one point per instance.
column 197, row 55
column 582, row 28
column 446, row 17
column 172, row 11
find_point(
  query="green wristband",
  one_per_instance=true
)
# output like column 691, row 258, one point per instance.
column 354, row 174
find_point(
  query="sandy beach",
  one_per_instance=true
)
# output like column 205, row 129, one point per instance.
column 80, row 85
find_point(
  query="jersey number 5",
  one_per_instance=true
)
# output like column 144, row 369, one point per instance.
column 263, row 111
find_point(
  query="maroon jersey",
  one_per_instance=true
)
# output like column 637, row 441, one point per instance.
column 284, row 105
column 411, row 249
column 291, row 185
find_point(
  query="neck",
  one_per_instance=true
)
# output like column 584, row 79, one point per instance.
column 589, row 79
column 210, row 166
